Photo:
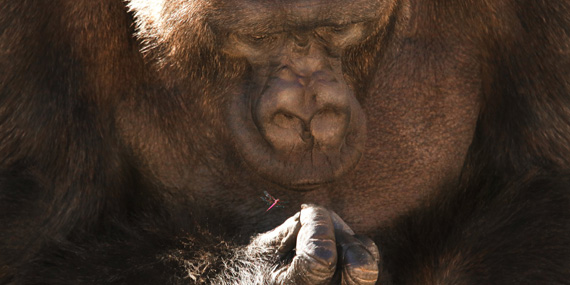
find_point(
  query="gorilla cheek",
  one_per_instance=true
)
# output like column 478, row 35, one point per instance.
column 299, row 131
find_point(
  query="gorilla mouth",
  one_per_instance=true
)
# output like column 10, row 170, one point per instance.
column 303, row 168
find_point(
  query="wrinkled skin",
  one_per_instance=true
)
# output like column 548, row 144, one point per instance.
column 410, row 142
column 322, row 242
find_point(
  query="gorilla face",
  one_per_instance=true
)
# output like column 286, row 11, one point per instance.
column 285, row 73
column 298, row 116
column 296, row 121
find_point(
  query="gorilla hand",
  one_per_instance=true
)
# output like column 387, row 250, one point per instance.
column 324, row 250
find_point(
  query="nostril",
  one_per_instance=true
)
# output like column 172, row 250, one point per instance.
column 287, row 120
column 329, row 127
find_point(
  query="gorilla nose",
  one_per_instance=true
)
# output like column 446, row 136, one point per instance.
column 303, row 114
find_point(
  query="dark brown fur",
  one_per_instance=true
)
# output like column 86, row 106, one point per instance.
column 116, row 164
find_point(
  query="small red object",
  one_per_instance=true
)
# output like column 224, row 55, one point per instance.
column 272, row 201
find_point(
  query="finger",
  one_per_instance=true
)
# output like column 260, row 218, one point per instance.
column 290, row 238
column 359, row 265
column 283, row 237
column 370, row 246
column 316, row 256
column 339, row 224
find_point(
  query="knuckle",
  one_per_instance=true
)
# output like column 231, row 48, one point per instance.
column 321, row 254
column 316, row 231
column 360, row 266
column 370, row 246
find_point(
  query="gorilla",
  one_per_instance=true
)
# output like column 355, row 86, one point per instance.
column 408, row 142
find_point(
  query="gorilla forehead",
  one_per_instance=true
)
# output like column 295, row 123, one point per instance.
column 277, row 15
